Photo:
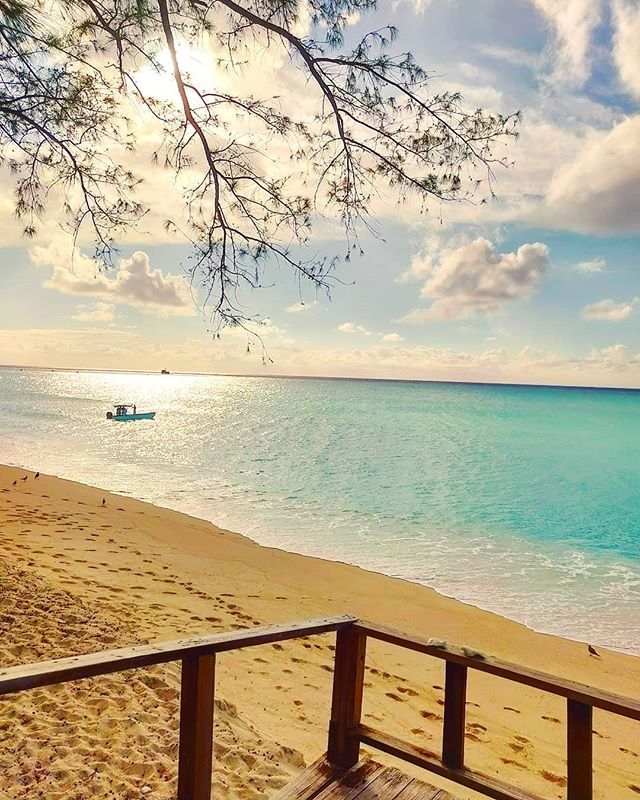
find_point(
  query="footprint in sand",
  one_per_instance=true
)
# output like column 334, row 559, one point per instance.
column 513, row 763
column 552, row 719
column 628, row 752
column 406, row 690
column 394, row 696
column 430, row 715
column 634, row 788
column 522, row 739
column 508, row 708
column 559, row 780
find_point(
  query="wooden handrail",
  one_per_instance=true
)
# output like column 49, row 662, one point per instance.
column 580, row 692
column 47, row 673
column 581, row 700
column 346, row 732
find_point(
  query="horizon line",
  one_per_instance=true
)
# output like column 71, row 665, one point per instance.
column 322, row 378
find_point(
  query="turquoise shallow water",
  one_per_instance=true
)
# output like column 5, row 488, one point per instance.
column 523, row 500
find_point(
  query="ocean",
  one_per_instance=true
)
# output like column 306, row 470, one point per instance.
column 518, row 499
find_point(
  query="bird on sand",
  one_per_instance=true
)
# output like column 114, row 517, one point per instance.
column 592, row 651
column 104, row 502
column 37, row 475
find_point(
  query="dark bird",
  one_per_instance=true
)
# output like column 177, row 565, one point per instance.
column 14, row 483
column 104, row 502
column 593, row 651
column 37, row 475
column 24, row 477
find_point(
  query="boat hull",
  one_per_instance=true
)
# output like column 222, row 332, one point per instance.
column 133, row 417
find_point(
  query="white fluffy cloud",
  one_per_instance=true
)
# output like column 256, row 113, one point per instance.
column 589, row 267
column 608, row 310
column 94, row 312
column 626, row 42
column 134, row 282
column 392, row 338
column 351, row 327
column 474, row 278
column 598, row 192
column 573, row 23
column 298, row 308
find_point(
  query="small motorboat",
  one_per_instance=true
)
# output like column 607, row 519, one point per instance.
column 123, row 414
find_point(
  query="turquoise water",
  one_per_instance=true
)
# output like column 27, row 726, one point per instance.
column 522, row 500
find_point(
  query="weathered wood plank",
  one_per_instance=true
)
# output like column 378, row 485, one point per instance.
column 61, row 670
column 418, row 790
column 310, row 782
column 352, row 782
column 455, row 696
column 346, row 705
column 196, row 727
column 423, row 758
column 616, row 704
column 386, row 785
column 579, row 751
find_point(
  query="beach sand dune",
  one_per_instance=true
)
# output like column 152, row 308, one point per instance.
column 78, row 575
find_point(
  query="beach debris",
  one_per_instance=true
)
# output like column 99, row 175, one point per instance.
column 436, row 643
column 37, row 475
column 145, row 790
column 592, row 651
column 471, row 653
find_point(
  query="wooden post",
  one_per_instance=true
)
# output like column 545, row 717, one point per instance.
column 346, row 705
column 579, row 751
column 454, row 715
column 196, row 727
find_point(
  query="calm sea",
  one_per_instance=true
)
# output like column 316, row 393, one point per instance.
column 522, row 500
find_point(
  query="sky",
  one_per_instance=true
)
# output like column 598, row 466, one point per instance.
column 540, row 285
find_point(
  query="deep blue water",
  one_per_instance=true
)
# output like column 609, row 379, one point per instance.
column 524, row 500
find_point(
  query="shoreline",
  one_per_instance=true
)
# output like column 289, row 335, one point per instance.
column 346, row 563
column 126, row 572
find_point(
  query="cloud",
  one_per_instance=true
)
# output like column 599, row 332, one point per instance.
column 298, row 308
column 475, row 278
column 608, row 310
column 573, row 23
column 134, row 282
column 350, row 327
column 626, row 42
column 595, row 265
column 597, row 192
column 392, row 337
column 94, row 312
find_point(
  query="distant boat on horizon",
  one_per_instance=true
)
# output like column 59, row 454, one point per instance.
column 165, row 372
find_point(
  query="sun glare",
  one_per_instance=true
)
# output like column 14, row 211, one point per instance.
column 159, row 82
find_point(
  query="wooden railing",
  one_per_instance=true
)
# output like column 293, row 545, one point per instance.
column 198, row 657
column 346, row 731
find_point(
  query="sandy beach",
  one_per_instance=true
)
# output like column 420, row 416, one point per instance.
column 77, row 575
